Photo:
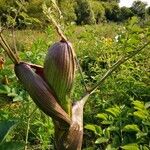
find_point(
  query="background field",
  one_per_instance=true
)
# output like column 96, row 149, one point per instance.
column 117, row 116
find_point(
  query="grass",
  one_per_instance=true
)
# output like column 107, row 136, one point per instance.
column 26, row 38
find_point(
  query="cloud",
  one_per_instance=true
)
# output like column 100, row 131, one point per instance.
column 128, row 3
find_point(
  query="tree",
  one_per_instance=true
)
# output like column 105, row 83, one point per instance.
column 117, row 1
column 20, row 13
column 112, row 11
column 139, row 8
column 148, row 10
column 67, row 8
column 126, row 13
column 99, row 11
column 84, row 12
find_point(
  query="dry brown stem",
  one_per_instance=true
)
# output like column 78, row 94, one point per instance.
column 8, row 50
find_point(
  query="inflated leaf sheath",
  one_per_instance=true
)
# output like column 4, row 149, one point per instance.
column 40, row 93
column 59, row 70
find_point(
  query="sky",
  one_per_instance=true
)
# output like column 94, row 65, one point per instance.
column 128, row 3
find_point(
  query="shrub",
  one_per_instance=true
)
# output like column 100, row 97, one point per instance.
column 67, row 8
column 139, row 8
column 84, row 12
column 126, row 13
column 112, row 11
column 99, row 11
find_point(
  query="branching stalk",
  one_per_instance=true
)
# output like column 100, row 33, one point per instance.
column 58, row 29
column 27, row 134
column 13, row 31
column 8, row 50
column 28, row 126
column 14, row 40
column 81, row 73
column 111, row 70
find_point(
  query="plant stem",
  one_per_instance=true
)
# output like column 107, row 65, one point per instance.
column 28, row 127
column 111, row 70
column 8, row 50
column 27, row 134
column 81, row 73
column 58, row 29
column 14, row 42
column 116, row 65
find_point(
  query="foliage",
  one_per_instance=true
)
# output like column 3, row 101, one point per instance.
column 14, row 13
column 126, row 13
column 139, row 8
column 122, row 117
column 5, row 127
column 117, row 115
column 84, row 12
column 117, row 126
column 67, row 8
column 99, row 11
column 73, row 11
column 112, row 11
column 148, row 10
column 16, row 104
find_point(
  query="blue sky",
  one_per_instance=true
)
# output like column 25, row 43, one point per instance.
column 128, row 3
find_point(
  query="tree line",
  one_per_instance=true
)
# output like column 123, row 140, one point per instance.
column 28, row 13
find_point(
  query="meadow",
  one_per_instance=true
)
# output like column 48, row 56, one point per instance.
column 117, row 115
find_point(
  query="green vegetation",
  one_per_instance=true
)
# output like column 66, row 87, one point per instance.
column 29, row 13
column 117, row 115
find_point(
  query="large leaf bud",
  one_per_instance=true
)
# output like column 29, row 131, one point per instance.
column 40, row 93
column 59, row 70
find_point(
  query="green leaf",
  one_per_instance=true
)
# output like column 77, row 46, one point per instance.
column 131, row 128
column 130, row 147
column 132, row 41
column 4, row 89
column 89, row 148
column 146, row 122
column 141, row 135
column 106, row 133
column 109, row 147
column 5, row 127
column 147, row 105
column 145, row 148
column 114, row 111
column 107, row 122
column 113, row 128
column 90, row 127
column 101, row 140
column 12, row 94
column 10, row 20
column 96, row 129
column 12, row 146
column 132, row 22
column 17, row 98
column 102, row 116
column 138, row 105
column 136, row 28
column 140, row 114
